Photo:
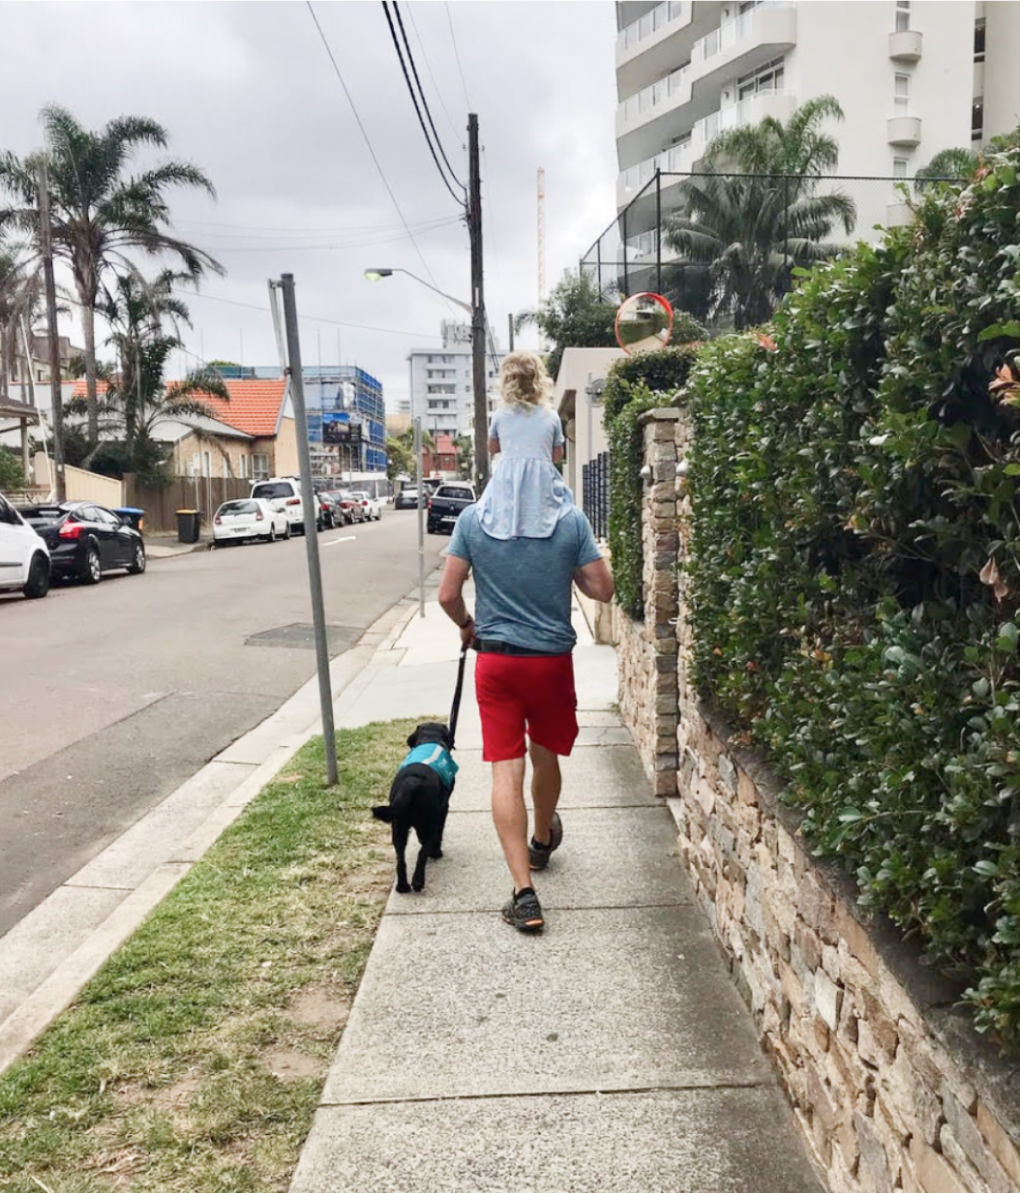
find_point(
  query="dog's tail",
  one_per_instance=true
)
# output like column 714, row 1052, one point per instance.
column 383, row 812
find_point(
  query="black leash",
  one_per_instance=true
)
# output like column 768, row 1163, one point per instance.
column 455, row 711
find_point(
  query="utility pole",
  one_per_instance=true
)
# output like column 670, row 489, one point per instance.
column 421, row 516
column 46, row 247
column 510, row 322
column 297, row 393
column 478, row 323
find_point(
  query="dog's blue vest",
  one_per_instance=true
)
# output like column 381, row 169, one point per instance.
column 437, row 757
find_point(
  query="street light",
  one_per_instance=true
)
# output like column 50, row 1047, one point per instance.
column 376, row 275
column 478, row 333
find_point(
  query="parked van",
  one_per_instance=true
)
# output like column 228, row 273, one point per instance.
column 285, row 492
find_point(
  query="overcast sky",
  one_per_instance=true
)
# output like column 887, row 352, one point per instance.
column 247, row 92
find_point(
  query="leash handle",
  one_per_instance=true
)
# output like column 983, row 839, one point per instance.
column 455, row 710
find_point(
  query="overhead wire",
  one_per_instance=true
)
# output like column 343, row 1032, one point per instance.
column 435, row 86
column 424, row 100
column 417, row 109
column 368, row 143
column 456, row 54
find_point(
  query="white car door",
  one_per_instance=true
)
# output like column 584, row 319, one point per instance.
column 14, row 546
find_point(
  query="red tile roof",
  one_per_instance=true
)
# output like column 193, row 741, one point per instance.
column 254, row 406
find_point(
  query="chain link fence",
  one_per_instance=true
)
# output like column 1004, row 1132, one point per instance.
column 783, row 220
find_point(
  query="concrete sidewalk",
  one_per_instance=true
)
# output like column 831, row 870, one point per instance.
column 610, row 1053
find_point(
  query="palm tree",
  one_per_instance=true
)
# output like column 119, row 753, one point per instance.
column 98, row 212
column 948, row 166
column 751, row 226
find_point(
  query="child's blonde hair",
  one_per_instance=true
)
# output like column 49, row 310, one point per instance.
column 523, row 379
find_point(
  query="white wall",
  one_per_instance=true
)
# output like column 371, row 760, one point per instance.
column 1002, row 45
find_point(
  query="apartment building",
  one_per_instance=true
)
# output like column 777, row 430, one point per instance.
column 913, row 77
column 441, row 382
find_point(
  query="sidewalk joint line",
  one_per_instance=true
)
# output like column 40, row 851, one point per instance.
column 658, row 1088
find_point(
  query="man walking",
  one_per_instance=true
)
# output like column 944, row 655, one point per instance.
column 524, row 677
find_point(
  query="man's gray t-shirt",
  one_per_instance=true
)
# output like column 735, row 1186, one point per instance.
column 522, row 585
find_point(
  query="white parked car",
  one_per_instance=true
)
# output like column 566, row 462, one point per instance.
column 285, row 491
column 24, row 557
column 372, row 506
column 248, row 519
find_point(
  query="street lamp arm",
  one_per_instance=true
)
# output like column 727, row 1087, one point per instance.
column 375, row 274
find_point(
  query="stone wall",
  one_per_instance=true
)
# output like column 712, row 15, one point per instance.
column 892, row 1087
column 647, row 650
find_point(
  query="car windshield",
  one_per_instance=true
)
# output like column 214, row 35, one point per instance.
column 360, row 494
column 453, row 491
column 238, row 507
column 272, row 489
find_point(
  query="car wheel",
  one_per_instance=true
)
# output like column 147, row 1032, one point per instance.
column 137, row 565
column 92, row 568
column 38, row 583
column 286, row 533
column 271, row 536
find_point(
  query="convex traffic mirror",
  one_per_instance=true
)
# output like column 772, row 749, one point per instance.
column 644, row 322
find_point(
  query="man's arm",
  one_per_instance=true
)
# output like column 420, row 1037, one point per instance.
column 451, row 600
column 595, row 580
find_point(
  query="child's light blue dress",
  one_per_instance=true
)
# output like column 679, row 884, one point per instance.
column 525, row 496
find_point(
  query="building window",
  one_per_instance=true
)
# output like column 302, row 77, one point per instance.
column 902, row 15
column 977, row 119
column 260, row 466
column 979, row 40
column 899, row 167
column 766, row 78
column 901, row 94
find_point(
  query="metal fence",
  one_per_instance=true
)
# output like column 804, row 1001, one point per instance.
column 635, row 252
column 595, row 494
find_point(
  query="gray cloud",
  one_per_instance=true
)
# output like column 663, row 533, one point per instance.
column 247, row 91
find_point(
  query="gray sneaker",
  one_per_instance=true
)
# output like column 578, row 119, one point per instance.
column 524, row 912
column 539, row 854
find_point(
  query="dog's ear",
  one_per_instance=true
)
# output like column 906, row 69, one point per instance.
column 412, row 740
column 383, row 812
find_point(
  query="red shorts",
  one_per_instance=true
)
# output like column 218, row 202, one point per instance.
column 520, row 693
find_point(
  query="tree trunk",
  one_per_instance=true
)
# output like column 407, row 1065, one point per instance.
column 4, row 371
column 88, row 318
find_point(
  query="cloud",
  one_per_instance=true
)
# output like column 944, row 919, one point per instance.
column 247, row 92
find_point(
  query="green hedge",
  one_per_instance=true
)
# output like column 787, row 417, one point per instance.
column 855, row 570
column 635, row 384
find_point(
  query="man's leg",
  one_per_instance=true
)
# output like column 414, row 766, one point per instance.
column 511, row 818
column 545, row 789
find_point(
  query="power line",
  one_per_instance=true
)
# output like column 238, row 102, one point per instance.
column 368, row 143
column 458, row 133
column 425, row 102
column 456, row 54
column 252, row 306
column 417, row 108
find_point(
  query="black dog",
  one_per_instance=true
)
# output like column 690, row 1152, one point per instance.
column 419, row 800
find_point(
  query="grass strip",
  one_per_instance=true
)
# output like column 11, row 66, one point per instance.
column 194, row 1059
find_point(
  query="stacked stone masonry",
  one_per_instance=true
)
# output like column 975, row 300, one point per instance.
column 891, row 1087
column 647, row 650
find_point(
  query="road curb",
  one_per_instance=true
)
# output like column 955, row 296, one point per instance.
column 58, row 989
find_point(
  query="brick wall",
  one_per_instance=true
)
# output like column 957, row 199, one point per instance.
column 893, row 1089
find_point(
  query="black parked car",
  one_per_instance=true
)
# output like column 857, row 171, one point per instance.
column 86, row 540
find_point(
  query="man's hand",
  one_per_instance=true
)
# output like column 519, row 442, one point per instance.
column 451, row 584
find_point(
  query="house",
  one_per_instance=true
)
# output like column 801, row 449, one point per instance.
column 261, row 409
column 578, row 401
column 442, row 460
column 251, row 436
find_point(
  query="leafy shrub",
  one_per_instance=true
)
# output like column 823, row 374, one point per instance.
column 635, row 384
column 855, row 569
column 11, row 476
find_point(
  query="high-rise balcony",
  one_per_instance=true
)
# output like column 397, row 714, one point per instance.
column 736, row 47
column 905, row 45
column 904, row 131
column 683, row 158
column 649, row 47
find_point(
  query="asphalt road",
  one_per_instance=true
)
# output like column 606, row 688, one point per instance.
column 112, row 696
